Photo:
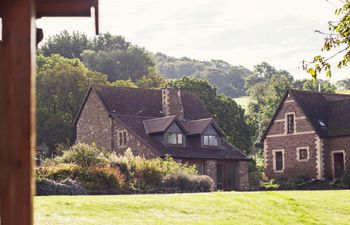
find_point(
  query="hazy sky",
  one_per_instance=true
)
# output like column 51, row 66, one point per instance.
column 241, row 32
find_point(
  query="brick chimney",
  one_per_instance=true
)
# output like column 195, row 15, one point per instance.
column 171, row 102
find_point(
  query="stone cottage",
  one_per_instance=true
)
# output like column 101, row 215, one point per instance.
column 309, row 135
column 156, row 123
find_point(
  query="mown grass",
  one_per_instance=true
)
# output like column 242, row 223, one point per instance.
column 287, row 207
column 243, row 102
column 343, row 92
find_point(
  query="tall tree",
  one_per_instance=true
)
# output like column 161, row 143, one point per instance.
column 266, row 87
column 344, row 84
column 66, row 44
column 61, row 86
column 131, row 63
column 227, row 113
column 315, row 85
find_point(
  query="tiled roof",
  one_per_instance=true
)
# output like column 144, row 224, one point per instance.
column 135, row 124
column 196, row 126
column 329, row 114
column 145, row 102
column 157, row 125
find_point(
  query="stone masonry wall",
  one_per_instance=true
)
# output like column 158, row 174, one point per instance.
column 94, row 124
column 277, row 139
column 137, row 147
column 211, row 170
column 242, row 176
column 336, row 144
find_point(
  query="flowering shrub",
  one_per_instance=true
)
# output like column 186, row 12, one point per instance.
column 100, row 172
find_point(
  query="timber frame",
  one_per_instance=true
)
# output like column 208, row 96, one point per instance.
column 17, row 99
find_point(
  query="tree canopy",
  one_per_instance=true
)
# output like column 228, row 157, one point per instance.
column 106, row 53
column 61, row 84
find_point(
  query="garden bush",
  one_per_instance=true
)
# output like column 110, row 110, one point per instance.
column 95, row 180
column 100, row 172
column 66, row 187
column 84, row 155
column 188, row 182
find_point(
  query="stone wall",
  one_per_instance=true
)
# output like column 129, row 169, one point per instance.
column 137, row 147
column 303, row 136
column 211, row 170
column 94, row 124
column 242, row 176
column 332, row 145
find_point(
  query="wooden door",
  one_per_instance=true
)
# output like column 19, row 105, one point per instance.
column 225, row 175
column 338, row 163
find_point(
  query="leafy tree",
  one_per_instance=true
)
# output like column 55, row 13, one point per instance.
column 61, row 86
column 124, row 83
column 344, row 84
column 263, row 73
column 226, row 112
column 336, row 41
column 66, row 44
column 266, row 88
column 315, row 85
column 228, row 79
column 132, row 63
column 152, row 81
column 109, row 42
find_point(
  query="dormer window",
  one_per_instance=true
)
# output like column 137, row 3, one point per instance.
column 290, row 123
column 174, row 138
column 210, row 140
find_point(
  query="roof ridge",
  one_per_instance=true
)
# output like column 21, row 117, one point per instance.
column 189, row 121
column 318, row 93
column 164, row 117
column 116, row 114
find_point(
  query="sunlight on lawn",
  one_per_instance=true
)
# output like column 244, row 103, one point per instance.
column 287, row 207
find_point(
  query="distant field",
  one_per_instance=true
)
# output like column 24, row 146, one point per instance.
column 282, row 207
column 243, row 102
column 343, row 92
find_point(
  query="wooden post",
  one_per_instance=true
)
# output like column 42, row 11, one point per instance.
column 17, row 126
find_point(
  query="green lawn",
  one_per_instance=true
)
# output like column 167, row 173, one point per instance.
column 243, row 102
column 289, row 207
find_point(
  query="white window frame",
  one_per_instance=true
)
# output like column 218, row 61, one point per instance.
column 118, row 138
column 274, row 160
column 177, row 138
column 208, row 145
column 332, row 161
column 298, row 154
column 286, row 123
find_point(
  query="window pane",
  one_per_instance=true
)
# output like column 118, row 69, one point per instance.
column 279, row 161
column 179, row 138
column 171, row 138
column 124, row 138
column 290, row 120
column 120, row 138
column 206, row 140
column 303, row 154
column 213, row 140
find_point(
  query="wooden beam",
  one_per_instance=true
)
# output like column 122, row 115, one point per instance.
column 54, row 8
column 66, row 8
column 17, row 128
